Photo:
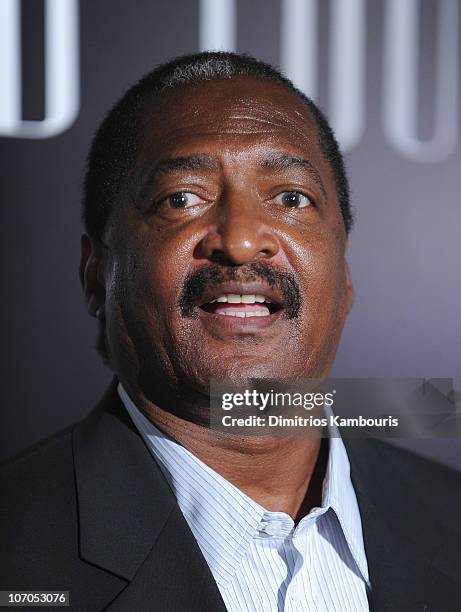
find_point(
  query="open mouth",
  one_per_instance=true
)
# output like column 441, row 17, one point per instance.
column 244, row 305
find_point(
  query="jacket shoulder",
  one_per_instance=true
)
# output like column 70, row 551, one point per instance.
column 38, row 512
column 406, row 480
column 38, row 470
column 418, row 469
column 39, row 527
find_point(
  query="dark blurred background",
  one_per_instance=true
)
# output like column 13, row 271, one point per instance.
column 387, row 74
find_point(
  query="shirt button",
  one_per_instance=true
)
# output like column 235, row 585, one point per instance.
column 272, row 529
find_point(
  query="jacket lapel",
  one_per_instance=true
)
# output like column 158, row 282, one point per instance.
column 174, row 576
column 407, row 551
column 129, row 522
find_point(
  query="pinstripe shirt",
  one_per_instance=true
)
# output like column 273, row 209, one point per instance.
column 260, row 560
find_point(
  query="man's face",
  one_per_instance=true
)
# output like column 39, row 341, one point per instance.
column 231, row 203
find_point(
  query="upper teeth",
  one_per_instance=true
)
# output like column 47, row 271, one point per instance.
column 241, row 298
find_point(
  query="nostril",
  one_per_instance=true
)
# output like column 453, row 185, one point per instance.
column 220, row 257
column 267, row 253
column 237, row 243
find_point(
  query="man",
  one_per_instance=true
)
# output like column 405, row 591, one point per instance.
column 217, row 213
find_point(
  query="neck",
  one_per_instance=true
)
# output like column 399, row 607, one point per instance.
column 283, row 474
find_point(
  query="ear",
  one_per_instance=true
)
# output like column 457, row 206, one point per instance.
column 350, row 298
column 92, row 276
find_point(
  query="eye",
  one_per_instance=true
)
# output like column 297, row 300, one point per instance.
column 182, row 199
column 293, row 199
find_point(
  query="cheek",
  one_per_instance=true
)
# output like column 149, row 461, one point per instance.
column 323, row 286
column 154, row 273
column 319, row 260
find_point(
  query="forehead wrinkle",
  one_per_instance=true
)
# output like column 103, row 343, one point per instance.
column 209, row 121
column 253, row 118
column 273, row 118
column 271, row 129
column 266, row 115
column 244, row 115
column 246, row 112
column 197, row 131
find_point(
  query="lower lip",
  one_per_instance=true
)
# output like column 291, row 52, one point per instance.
column 239, row 324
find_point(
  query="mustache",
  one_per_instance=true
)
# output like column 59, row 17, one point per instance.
column 198, row 282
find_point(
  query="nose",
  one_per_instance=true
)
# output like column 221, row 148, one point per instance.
column 239, row 232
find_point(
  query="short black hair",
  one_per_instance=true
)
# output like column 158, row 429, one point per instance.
column 115, row 144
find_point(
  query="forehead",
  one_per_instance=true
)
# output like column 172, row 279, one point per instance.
column 241, row 116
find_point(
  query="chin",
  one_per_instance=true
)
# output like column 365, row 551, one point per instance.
column 245, row 371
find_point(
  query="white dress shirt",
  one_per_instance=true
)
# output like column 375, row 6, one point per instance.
column 260, row 560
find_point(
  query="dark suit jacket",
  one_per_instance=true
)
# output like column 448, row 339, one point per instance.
column 89, row 511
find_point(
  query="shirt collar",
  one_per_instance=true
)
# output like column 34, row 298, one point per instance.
column 338, row 494
column 223, row 519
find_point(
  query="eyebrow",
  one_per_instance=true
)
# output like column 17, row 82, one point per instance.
column 192, row 162
column 282, row 161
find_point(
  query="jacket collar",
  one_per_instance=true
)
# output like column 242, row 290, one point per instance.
column 118, row 526
column 129, row 521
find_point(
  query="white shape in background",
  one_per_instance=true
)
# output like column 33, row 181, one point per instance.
column 10, row 64
column 401, row 70
column 62, row 78
column 299, row 44
column 347, row 89
column 299, row 60
column 217, row 25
